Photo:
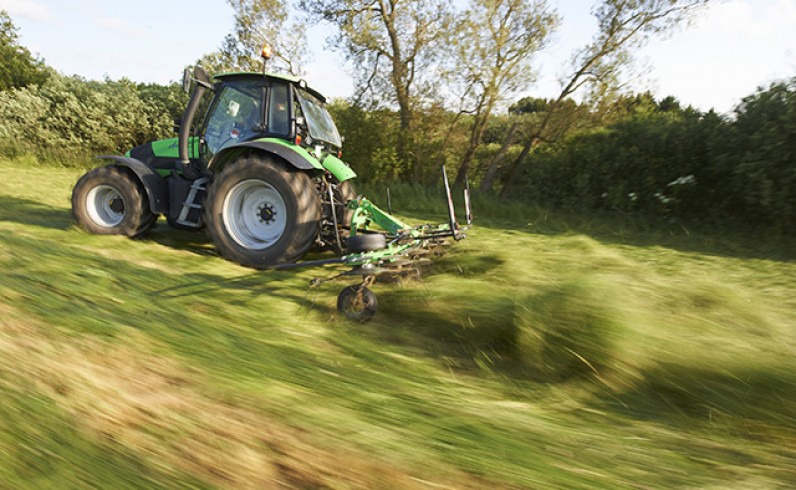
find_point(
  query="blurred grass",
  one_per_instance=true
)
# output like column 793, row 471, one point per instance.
column 545, row 351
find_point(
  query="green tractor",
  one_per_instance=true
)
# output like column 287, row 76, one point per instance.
column 262, row 174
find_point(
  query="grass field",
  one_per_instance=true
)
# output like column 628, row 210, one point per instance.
column 545, row 351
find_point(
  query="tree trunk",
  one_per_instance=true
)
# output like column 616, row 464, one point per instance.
column 476, row 135
column 464, row 167
column 486, row 184
column 406, row 137
column 515, row 165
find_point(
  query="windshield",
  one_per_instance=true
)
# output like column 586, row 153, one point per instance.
column 319, row 122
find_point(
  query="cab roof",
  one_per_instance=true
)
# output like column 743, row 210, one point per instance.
column 229, row 76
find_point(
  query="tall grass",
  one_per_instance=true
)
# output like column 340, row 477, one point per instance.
column 546, row 350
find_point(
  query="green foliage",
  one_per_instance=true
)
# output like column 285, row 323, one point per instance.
column 530, row 105
column 672, row 162
column 18, row 67
column 371, row 140
column 259, row 23
column 764, row 155
column 68, row 116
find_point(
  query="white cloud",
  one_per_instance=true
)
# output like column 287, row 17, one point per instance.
column 27, row 9
column 117, row 25
column 749, row 19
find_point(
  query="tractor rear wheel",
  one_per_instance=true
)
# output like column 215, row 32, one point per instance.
column 260, row 212
column 110, row 201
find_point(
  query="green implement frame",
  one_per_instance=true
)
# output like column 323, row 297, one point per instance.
column 403, row 245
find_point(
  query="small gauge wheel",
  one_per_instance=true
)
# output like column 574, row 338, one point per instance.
column 357, row 303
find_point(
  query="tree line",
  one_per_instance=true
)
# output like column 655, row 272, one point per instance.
column 607, row 150
column 679, row 163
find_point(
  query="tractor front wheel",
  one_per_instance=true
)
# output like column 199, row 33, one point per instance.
column 260, row 212
column 346, row 192
column 109, row 201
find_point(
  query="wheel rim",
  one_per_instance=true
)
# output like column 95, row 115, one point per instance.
column 105, row 206
column 357, row 305
column 255, row 214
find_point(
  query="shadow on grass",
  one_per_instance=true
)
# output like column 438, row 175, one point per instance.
column 757, row 405
column 469, row 264
column 672, row 392
column 273, row 284
column 215, row 321
column 27, row 212
column 640, row 231
column 194, row 241
column 462, row 332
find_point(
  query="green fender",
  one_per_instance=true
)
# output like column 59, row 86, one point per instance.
column 293, row 154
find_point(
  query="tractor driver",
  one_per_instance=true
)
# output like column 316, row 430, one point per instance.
column 245, row 126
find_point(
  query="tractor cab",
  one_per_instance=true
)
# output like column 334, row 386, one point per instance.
column 246, row 109
column 252, row 106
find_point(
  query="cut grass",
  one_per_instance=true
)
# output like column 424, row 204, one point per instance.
column 157, row 364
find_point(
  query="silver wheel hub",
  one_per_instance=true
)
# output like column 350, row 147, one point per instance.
column 105, row 206
column 254, row 214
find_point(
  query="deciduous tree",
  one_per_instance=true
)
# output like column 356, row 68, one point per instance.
column 623, row 26
column 495, row 40
column 18, row 68
column 393, row 44
column 259, row 22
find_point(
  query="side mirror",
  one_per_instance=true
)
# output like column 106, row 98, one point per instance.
column 200, row 75
column 186, row 80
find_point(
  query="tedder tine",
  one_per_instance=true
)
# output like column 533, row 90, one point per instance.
column 451, row 212
column 468, row 214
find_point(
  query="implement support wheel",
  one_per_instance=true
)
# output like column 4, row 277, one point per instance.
column 357, row 303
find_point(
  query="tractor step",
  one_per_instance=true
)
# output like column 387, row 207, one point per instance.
column 192, row 201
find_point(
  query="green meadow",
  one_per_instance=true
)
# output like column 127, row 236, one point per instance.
column 547, row 350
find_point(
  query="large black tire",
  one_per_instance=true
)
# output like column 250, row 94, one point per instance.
column 366, row 242
column 110, row 201
column 346, row 192
column 261, row 212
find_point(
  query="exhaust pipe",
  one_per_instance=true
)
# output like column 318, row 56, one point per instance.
column 202, row 84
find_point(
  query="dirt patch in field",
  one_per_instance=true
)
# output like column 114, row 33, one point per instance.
column 151, row 405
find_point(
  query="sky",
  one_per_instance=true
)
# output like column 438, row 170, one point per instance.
column 731, row 48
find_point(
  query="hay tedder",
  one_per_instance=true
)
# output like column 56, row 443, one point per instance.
column 263, row 175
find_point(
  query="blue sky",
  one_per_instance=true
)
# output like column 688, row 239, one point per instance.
column 731, row 49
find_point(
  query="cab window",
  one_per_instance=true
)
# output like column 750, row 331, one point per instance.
column 278, row 114
column 234, row 117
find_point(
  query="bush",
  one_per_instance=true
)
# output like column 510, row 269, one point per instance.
column 74, row 117
column 679, row 164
